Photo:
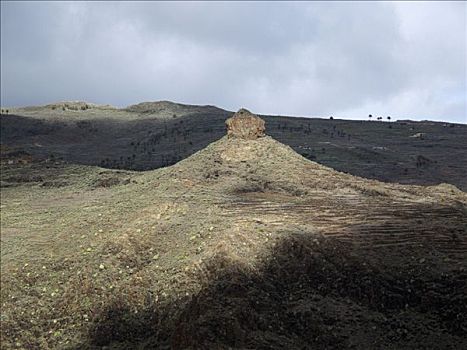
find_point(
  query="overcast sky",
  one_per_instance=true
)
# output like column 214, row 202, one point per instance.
column 350, row 59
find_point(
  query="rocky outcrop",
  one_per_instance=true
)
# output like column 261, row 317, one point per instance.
column 245, row 125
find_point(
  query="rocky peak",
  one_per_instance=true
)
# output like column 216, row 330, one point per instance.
column 245, row 125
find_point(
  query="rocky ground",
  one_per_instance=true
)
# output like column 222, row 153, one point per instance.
column 244, row 245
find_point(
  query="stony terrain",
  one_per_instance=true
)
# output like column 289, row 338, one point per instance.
column 245, row 244
column 151, row 135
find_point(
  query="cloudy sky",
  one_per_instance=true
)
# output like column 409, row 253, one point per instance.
column 406, row 60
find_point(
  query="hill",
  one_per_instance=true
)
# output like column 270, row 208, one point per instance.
column 151, row 135
column 245, row 244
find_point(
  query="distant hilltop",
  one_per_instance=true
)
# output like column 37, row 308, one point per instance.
column 161, row 106
column 150, row 107
column 167, row 109
column 66, row 106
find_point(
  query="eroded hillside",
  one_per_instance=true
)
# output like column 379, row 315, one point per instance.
column 245, row 244
column 151, row 135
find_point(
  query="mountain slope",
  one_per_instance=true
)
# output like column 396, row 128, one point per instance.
column 245, row 244
column 151, row 135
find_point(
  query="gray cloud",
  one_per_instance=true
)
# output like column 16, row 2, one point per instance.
column 407, row 60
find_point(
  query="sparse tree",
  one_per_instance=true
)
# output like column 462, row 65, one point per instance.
column 370, row 116
column 388, row 118
column 331, row 117
column 6, row 111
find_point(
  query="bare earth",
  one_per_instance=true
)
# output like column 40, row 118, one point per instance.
column 243, row 245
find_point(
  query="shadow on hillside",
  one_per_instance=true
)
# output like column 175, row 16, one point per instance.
column 307, row 294
column 132, row 144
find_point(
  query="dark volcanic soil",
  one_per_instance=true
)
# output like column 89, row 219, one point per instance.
column 306, row 294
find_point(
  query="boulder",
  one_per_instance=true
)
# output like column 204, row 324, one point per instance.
column 245, row 125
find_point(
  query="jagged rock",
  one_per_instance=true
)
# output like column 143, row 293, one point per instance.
column 245, row 125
